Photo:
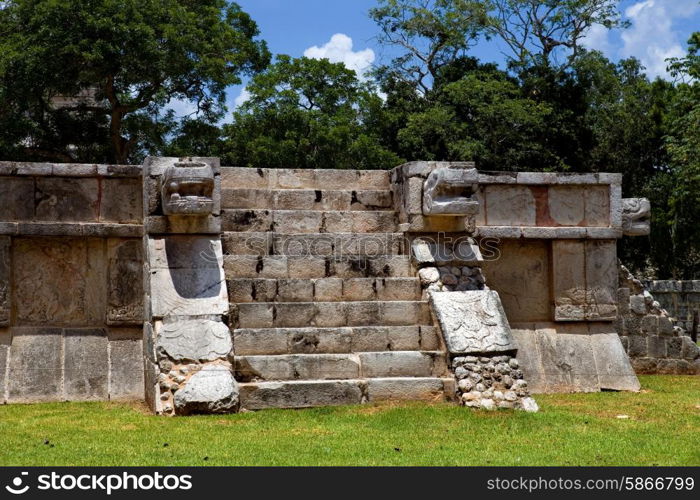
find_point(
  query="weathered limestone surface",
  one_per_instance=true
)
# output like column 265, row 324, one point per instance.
column 636, row 216
column 35, row 371
column 5, row 274
column 655, row 341
column 44, row 268
column 211, row 390
column 125, row 301
column 472, row 322
column 86, row 375
column 193, row 339
column 573, row 359
column 126, row 364
column 519, row 270
column 447, row 191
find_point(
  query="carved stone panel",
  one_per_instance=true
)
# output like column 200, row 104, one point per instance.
column 51, row 277
column 193, row 339
column 67, row 199
column 472, row 322
column 125, row 300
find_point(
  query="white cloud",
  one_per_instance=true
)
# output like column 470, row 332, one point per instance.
column 598, row 38
column 241, row 98
column 339, row 49
column 652, row 37
column 182, row 107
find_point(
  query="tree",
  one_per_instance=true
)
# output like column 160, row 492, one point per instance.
column 535, row 29
column 430, row 33
column 307, row 113
column 127, row 59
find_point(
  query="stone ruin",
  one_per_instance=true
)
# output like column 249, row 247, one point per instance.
column 207, row 289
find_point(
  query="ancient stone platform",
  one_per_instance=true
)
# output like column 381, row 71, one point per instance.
column 202, row 288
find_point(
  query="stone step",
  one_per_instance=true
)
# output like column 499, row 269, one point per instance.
column 308, row 221
column 283, row 266
column 307, row 394
column 313, row 244
column 243, row 290
column 332, row 314
column 306, row 199
column 340, row 366
column 283, row 178
column 340, row 340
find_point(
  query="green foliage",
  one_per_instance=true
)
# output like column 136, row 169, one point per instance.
column 536, row 31
column 307, row 113
column 430, row 33
column 130, row 57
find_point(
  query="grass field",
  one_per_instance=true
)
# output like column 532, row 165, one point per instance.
column 662, row 428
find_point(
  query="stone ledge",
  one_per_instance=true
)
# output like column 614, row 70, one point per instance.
column 536, row 232
column 71, row 229
column 548, row 178
column 68, row 169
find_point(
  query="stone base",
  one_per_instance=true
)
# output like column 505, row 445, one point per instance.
column 572, row 362
column 490, row 382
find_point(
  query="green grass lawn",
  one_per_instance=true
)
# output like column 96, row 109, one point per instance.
column 662, row 428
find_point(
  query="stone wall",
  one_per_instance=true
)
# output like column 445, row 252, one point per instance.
column 682, row 301
column 654, row 343
column 71, row 300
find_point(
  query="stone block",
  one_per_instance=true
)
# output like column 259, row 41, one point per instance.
column 86, row 365
column 472, row 322
column 597, row 205
column 36, row 365
column 200, row 340
column 566, row 205
column 612, row 364
column 363, row 313
column 265, row 290
column 398, row 389
column 359, row 289
column 665, row 326
column 295, row 290
column 298, row 366
column 126, row 375
column 338, row 222
column 307, row 267
column 297, row 221
column 637, row 347
column 294, row 314
column 17, row 195
column 689, row 349
column 300, row 394
column 638, row 305
column 414, row 196
column 569, row 280
column 211, row 390
column 398, row 289
column 247, row 220
column 328, row 289
column 255, row 315
column 405, row 313
column 125, row 287
column 520, row 275
column 430, row 338
column 656, row 346
column 260, row 341
column 623, row 300
column 121, row 200
column 674, row 346
column 396, row 364
column 59, row 281
column 650, row 324
column 567, row 362
column 63, row 199
column 240, row 290
column 373, row 199
column 294, row 179
column 509, row 206
column 331, row 314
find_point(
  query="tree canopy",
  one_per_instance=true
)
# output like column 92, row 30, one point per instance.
column 98, row 80
column 127, row 59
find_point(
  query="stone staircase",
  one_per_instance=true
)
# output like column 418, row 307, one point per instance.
column 326, row 306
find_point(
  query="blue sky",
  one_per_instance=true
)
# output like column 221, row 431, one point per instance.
column 660, row 29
